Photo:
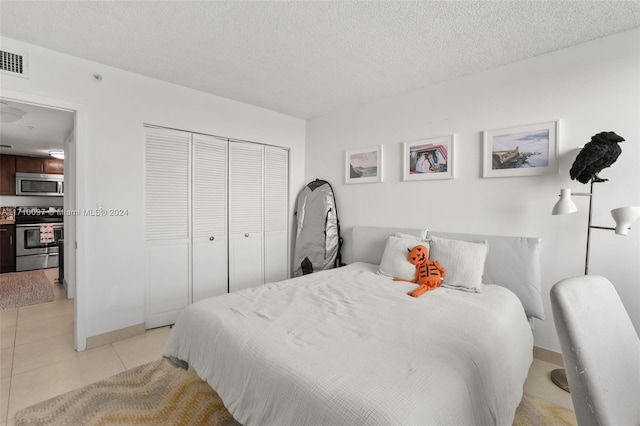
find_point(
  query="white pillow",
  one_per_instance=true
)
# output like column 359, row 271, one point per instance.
column 463, row 261
column 394, row 261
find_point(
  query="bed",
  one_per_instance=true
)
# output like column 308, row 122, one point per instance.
column 348, row 346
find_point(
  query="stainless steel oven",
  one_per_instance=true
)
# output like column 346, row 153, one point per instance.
column 32, row 250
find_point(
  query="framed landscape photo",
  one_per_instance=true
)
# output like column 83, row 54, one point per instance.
column 363, row 165
column 529, row 150
column 428, row 159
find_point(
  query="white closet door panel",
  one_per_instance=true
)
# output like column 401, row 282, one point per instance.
column 276, row 189
column 209, row 187
column 245, row 188
column 209, row 268
column 276, row 223
column 166, row 184
column 245, row 262
column 209, row 213
column 275, row 257
column 168, row 287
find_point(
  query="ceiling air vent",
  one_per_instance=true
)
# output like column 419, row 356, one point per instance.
column 14, row 63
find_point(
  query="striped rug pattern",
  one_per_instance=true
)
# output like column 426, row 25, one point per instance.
column 19, row 289
column 536, row 412
column 158, row 393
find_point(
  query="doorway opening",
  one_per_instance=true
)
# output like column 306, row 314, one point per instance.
column 38, row 140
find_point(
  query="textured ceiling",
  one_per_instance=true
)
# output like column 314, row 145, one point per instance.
column 307, row 59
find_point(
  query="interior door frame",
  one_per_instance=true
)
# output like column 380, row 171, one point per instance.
column 79, row 139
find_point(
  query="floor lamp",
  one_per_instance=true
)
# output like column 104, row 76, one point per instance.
column 623, row 216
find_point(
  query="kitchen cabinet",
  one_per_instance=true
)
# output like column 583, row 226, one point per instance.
column 29, row 164
column 216, row 218
column 54, row 166
column 39, row 165
column 7, row 175
column 7, row 248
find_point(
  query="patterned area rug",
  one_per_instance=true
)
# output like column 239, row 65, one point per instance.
column 535, row 412
column 158, row 393
column 155, row 393
column 24, row 288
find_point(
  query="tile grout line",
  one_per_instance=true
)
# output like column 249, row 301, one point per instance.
column 58, row 336
column 118, row 355
column 13, row 360
column 40, row 338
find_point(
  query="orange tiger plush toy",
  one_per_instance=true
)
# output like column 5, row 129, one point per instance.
column 429, row 274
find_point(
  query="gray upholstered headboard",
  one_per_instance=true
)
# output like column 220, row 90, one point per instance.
column 512, row 262
column 366, row 243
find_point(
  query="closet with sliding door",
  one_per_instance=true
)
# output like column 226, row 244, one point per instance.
column 215, row 218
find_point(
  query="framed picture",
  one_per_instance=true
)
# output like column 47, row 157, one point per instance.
column 530, row 150
column 428, row 159
column 363, row 165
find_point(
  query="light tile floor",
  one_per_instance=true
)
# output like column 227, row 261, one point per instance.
column 38, row 362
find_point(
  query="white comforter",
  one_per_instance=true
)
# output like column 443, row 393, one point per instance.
column 348, row 346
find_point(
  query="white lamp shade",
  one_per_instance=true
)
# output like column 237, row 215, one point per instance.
column 624, row 217
column 565, row 204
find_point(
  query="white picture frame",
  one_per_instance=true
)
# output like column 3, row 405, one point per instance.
column 428, row 159
column 527, row 150
column 363, row 165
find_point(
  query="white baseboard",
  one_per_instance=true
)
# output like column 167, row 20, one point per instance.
column 115, row 336
column 548, row 356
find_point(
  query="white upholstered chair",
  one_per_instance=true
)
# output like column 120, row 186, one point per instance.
column 601, row 351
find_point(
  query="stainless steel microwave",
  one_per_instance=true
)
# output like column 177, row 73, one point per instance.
column 39, row 184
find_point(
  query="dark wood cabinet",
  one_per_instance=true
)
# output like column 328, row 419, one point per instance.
column 39, row 165
column 7, row 248
column 29, row 164
column 54, row 166
column 7, row 175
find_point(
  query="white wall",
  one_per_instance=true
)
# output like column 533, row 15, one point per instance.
column 70, row 221
column 590, row 88
column 110, row 165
